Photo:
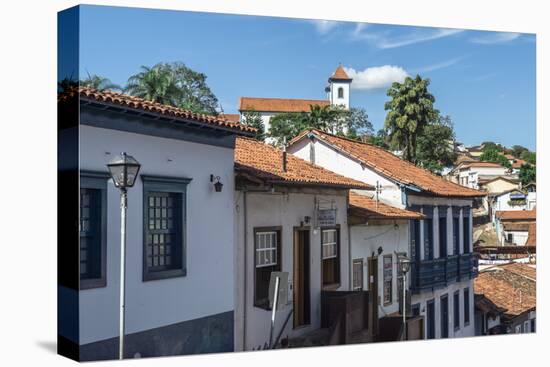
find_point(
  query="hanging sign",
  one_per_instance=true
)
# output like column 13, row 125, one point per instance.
column 326, row 217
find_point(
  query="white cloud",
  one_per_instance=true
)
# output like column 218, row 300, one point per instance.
column 497, row 37
column 376, row 77
column 385, row 40
column 324, row 26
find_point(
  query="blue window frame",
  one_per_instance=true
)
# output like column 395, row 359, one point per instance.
column 444, row 305
column 456, row 236
column 456, row 310
column 430, row 310
column 443, row 231
column 466, row 306
column 164, row 227
column 92, row 228
column 467, row 230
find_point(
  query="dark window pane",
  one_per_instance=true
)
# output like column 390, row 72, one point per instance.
column 90, row 233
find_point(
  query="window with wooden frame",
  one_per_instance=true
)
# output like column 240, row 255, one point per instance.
column 92, row 228
column 267, row 259
column 358, row 274
column 467, row 230
column 330, row 256
column 164, row 227
column 442, row 231
column 456, row 310
column 388, row 278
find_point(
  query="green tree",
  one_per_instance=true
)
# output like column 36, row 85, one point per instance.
column 411, row 108
column 529, row 157
column 527, row 174
column 492, row 154
column 435, row 146
column 517, row 150
column 100, row 83
column 354, row 122
column 380, row 139
column 173, row 84
column 254, row 119
column 287, row 126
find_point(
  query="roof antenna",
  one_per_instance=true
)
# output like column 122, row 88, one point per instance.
column 284, row 154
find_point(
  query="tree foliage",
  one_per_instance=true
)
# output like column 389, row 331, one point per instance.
column 529, row 157
column 435, row 146
column 285, row 126
column 493, row 154
column 98, row 82
column 380, row 139
column 527, row 174
column 254, row 119
column 173, row 84
column 410, row 109
column 517, row 150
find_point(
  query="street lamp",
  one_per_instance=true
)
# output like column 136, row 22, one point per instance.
column 405, row 265
column 124, row 170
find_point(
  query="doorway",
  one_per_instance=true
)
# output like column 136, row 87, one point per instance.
column 373, row 288
column 301, row 278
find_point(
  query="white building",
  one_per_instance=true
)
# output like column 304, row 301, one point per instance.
column 443, row 266
column 277, row 228
column 337, row 92
column 179, row 260
column 473, row 174
column 516, row 227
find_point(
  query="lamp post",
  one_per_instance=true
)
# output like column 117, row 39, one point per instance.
column 405, row 264
column 124, row 170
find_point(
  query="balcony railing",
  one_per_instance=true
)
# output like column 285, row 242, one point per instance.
column 429, row 274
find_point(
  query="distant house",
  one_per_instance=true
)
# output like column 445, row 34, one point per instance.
column 506, row 299
column 512, row 226
column 337, row 94
column 440, row 244
column 472, row 174
column 278, row 201
column 516, row 163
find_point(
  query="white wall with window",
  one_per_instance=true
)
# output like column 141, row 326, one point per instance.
column 181, row 258
column 271, row 219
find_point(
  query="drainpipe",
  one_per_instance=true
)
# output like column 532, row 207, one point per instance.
column 350, row 260
column 245, row 265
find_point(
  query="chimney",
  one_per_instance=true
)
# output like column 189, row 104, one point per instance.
column 284, row 154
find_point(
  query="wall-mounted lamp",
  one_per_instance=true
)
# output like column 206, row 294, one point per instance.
column 380, row 250
column 217, row 185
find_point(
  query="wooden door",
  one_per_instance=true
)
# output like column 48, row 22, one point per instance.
column 373, row 289
column 301, row 278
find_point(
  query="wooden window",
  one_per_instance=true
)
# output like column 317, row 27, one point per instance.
column 340, row 92
column 456, row 310
column 467, row 230
column 358, row 274
column 444, row 317
column 466, row 306
column 164, row 223
column 456, row 236
column 430, row 319
column 443, row 234
column 267, row 259
column 92, row 228
column 388, row 278
column 533, row 323
column 510, row 238
column 428, row 239
column 330, row 255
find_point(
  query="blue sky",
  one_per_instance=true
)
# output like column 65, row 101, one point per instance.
column 484, row 80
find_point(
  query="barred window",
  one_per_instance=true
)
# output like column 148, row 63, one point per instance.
column 92, row 229
column 388, row 278
column 330, row 256
column 164, row 227
column 267, row 259
column 358, row 274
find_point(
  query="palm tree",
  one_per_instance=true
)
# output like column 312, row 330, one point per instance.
column 98, row 82
column 156, row 84
column 410, row 110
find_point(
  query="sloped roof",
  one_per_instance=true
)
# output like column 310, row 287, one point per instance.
column 481, row 164
column 516, row 214
column 512, row 287
column 532, row 235
column 232, row 117
column 340, row 74
column 363, row 206
column 279, row 104
column 516, row 226
column 136, row 103
column 265, row 162
column 393, row 167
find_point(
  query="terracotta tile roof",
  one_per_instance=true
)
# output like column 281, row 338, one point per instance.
column 512, row 287
column 340, row 74
column 516, row 226
column 393, row 167
column 505, row 215
column 364, row 206
column 232, row 117
column 532, row 236
column 518, row 163
column 265, row 162
column 127, row 101
column 484, row 179
column 481, row 164
column 279, row 104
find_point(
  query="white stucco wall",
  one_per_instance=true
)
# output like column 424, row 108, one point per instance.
column 286, row 210
column 333, row 94
column 365, row 240
column 333, row 160
column 208, row 287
